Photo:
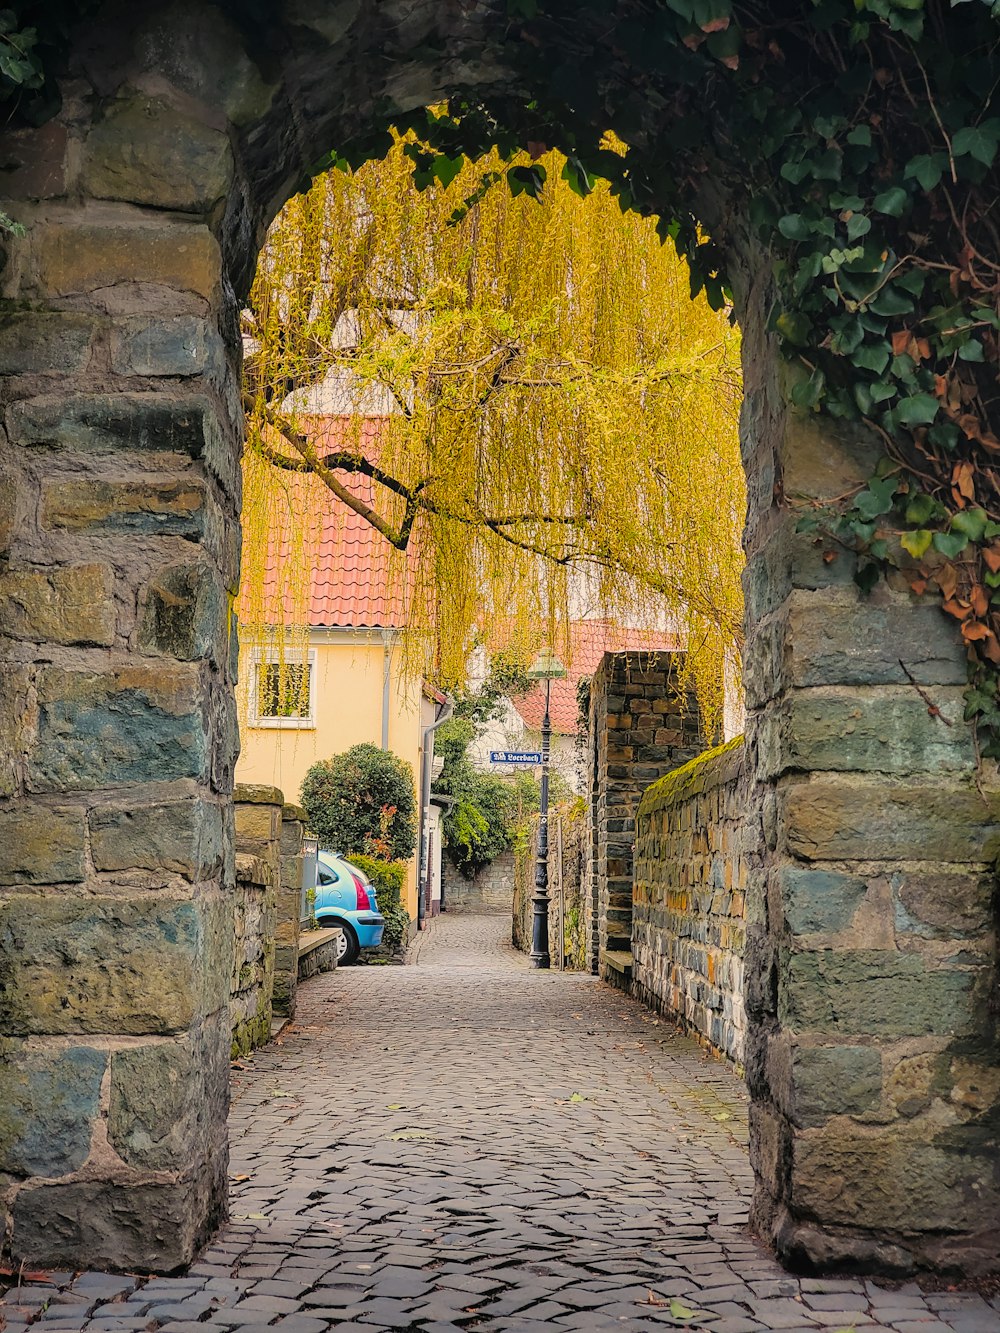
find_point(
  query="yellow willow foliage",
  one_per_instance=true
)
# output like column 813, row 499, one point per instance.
column 558, row 419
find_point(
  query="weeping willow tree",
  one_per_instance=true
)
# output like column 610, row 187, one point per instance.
column 556, row 419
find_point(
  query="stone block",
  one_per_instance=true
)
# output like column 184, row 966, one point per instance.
column 180, row 837
column 874, row 992
column 161, row 509
column 818, row 900
column 74, row 260
column 886, row 729
column 183, row 614
column 72, row 604
column 180, row 346
column 842, row 639
column 900, row 1179
column 37, row 341
column 49, row 1101
column 169, row 1099
column 146, row 1226
column 98, row 965
column 834, row 1080
column 121, row 423
column 33, row 161
column 42, row 844
column 834, row 819
column 136, row 724
column 943, row 903
column 146, row 152
column 914, row 1082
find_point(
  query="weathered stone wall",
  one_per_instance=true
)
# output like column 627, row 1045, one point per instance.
column 258, row 821
column 689, row 899
column 872, row 1050
column 490, row 890
column 252, row 983
column 318, row 952
column 639, row 729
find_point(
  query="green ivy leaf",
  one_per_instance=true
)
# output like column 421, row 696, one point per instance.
column 858, row 225
column 920, row 410
column 926, row 170
column 917, row 542
column 978, row 141
column 446, row 168
column 872, row 356
column 950, row 544
column 794, row 327
column 892, row 202
column 794, row 227
column 919, row 508
column 877, row 499
column 971, row 523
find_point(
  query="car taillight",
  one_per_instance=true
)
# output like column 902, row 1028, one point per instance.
column 363, row 904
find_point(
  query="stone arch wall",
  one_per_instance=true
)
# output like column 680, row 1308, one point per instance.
column 182, row 131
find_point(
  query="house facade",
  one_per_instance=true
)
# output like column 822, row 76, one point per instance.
column 309, row 693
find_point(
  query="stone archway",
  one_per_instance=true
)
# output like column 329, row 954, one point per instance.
column 145, row 201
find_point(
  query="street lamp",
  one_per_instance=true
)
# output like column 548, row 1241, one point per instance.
column 546, row 667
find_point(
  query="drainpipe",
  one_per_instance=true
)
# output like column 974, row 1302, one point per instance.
column 386, row 676
column 426, row 763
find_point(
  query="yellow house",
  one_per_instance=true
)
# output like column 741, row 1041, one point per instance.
column 307, row 698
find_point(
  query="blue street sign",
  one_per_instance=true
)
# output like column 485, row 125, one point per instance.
column 515, row 757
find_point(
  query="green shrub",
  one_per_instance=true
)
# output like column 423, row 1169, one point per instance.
column 362, row 802
column 389, row 879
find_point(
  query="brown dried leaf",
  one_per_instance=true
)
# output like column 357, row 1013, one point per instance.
column 901, row 340
column 963, row 479
column 979, row 601
column 991, row 557
column 974, row 630
column 947, row 580
column 956, row 608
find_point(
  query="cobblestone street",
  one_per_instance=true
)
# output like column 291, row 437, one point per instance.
column 464, row 1143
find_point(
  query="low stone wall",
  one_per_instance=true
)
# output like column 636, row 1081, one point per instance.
column 257, row 817
column 252, row 981
column 689, row 898
column 317, row 952
column 288, row 910
column 491, row 890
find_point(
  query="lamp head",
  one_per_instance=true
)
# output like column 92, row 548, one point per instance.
column 546, row 666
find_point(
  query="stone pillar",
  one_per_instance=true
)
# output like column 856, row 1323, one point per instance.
column 640, row 729
column 119, row 549
column 289, row 910
column 871, row 910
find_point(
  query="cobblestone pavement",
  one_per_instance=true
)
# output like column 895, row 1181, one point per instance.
column 467, row 1144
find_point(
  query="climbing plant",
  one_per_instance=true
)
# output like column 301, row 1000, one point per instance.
column 853, row 145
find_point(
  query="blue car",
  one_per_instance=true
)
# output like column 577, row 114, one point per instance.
column 345, row 897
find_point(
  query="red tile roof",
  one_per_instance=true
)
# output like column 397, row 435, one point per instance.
column 356, row 578
column 589, row 640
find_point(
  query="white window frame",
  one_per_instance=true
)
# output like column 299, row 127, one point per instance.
column 291, row 658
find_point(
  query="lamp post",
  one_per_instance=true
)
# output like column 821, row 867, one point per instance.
column 546, row 667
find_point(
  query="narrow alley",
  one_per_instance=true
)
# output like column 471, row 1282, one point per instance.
column 464, row 1143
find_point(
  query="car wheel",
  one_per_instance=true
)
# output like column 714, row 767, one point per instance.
column 348, row 947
